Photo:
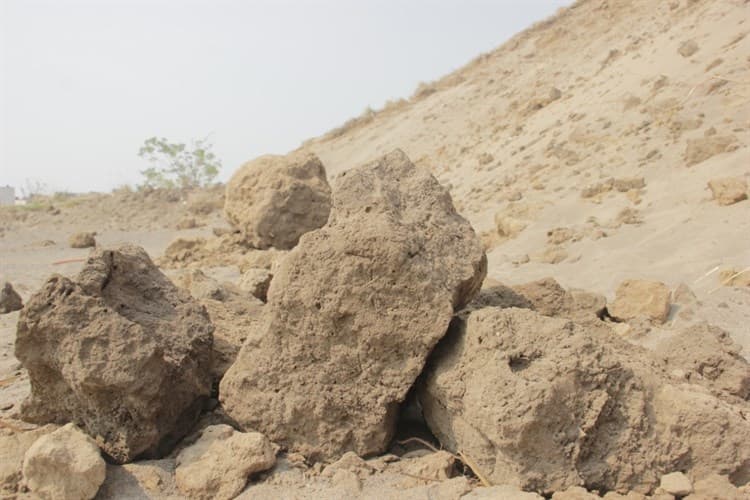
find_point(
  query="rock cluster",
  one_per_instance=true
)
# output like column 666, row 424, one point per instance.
column 353, row 312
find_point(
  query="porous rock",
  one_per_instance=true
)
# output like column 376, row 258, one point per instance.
column 728, row 190
column 64, row 465
column 636, row 298
column 9, row 299
column 708, row 356
column 273, row 200
column 546, row 404
column 120, row 351
column 353, row 311
column 219, row 463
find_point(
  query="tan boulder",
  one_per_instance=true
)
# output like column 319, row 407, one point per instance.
column 353, row 311
column 635, row 298
column 256, row 281
column 120, row 350
column 728, row 190
column 676, row 483
column 547, row 404
column 64, row 465
column 218, row 464
column 13, row 447
column 273, row 200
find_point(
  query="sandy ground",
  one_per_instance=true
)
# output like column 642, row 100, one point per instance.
column 603, row 91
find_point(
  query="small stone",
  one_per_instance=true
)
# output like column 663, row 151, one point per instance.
column 218, row 464
column 504, row 491
column 82, row 240
column 64, row 465
column 676, row 483
column 641, row 298
column 688, row 48
column 347, row 480
column 728, row 190
column 349, row 461
column 574, row 493
column 256, row 281
column 9, row 299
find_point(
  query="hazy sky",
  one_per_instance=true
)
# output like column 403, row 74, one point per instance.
column 85, row 82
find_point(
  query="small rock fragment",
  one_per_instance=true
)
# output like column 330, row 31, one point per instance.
column 688, row 48
column 82, row 240
column 256, row 281
column 676, row 483
column 728, row 190
column 219, row 463
column 703, row 148
column 641, row 298
column 64, row 465
column 9, row 299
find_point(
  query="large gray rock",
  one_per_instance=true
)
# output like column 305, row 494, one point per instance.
column 120, row 351
column 546, row 404
column 273, row 200
column 353, row 311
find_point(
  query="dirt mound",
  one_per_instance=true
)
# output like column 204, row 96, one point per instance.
column 546, row 404
column 354, row 310
column 9, row 299
column 273, row 200
column 120, row 351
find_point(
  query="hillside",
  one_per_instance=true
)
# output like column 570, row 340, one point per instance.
column 530, row 134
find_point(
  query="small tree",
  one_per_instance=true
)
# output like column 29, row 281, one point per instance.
column 174, row 165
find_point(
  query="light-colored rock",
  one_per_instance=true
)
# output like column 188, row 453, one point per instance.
column 9, row 299
column 219, row 463
column 574, row 493
column 546, row 404
column 501, row 492
column 353, row 311
column 64, row 465
column 728, row 190
column 256, row 281
column 13, row 446
column 82, row 240
column 688, row 48
column 676, row 483
column 716, row 487
column 349, row 461
column 636, row 298
column 708, row 356
column 631, row 495
column 703, row 148
column 273, row 200
column 119, row 350
column 439, row 466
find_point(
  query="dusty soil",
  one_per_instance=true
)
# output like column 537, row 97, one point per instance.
column 543, row 143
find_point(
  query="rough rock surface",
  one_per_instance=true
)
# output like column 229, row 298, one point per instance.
column 353, row 312
column 219, row 463
column 82, row 240
column 120, row 351
column 708, row 356
column 256, row 281
column 64, row 465
column 635, row 298
column 9, row 299
column 728, row 190
column 273, row 200
column 546, row 404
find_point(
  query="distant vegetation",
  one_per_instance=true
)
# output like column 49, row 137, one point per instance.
column 177, row 166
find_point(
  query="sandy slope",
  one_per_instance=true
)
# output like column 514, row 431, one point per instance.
column 601, row 91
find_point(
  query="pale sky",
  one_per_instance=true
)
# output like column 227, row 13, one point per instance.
column 83, row 83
